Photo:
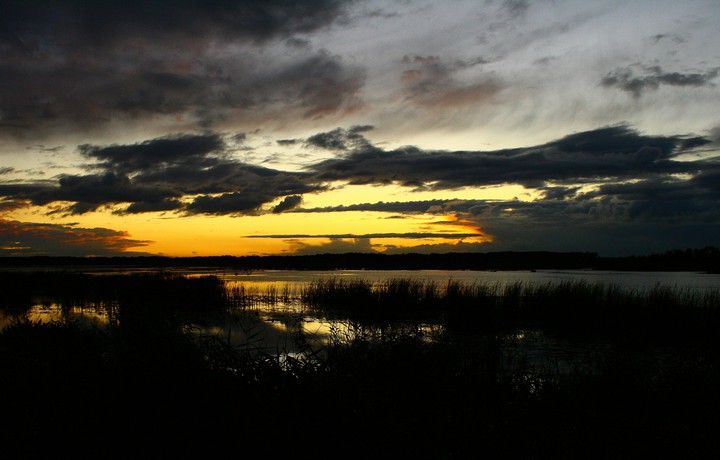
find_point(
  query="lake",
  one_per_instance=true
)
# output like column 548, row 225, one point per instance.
column 639, row 280
column 461, row 370
column 274, row 322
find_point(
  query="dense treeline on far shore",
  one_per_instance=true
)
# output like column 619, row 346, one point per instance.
column 704, row 259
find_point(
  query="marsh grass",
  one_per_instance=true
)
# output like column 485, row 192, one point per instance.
column 135, row 300
column 143, row 386
column 567, row 307
column 243, row 297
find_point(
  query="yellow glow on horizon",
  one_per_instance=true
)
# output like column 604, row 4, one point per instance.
column 171, row 234
column 175, row 236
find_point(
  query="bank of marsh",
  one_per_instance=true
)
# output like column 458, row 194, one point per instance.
column 145, row 384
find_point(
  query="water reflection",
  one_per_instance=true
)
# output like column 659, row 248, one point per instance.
column 96, row 316
column 48, row 312
column 268, row 316
column 295, row 279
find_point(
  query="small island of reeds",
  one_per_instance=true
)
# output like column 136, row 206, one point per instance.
column 408, row 369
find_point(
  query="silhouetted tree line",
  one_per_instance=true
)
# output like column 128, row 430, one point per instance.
column 703, row 259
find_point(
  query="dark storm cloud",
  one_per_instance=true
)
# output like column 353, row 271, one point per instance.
column 166, row 204
column 410, row 207
column 47, row 95
column 625, row 79
column 228, row 203
column 288, row 203
column 615, row 152
column 242, row 187
column 405, row 207
column 156, row 174
column 196, row 174
column 559, row 193
column 112, row 185
column 545, row 210
column 625, row 218
column 333, row 140
column 341, row 139
column 614, row 219
column 659, row 201
column 709, row 179
column 154, row 153
column 669, row 200
column 88, row 63
column 25, row 191
column 609, row 225
column 26, row 239
column 88, row 192
column 693, row 142
column 29, row 26
column 43, row 95
column 92, row 191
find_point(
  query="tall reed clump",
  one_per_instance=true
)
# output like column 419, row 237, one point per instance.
column 396, row 298
column 240, row 296
column 568, row 307
column 136, row 299
column 578, row 306
column 337, row 293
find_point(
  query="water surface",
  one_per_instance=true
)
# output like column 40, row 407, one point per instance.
column 275, row 326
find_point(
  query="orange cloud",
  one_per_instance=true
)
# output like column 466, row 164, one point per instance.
column 24, row 238
column 465, row 227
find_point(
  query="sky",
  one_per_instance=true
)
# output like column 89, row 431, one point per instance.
column 205, row 128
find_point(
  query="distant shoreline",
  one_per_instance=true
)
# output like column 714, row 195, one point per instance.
column 700, row 260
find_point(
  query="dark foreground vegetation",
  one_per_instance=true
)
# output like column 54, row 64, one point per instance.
column 142, row 386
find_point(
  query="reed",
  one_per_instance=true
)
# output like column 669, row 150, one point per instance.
column 384, row 392
column 574, row 306
column 242, row 297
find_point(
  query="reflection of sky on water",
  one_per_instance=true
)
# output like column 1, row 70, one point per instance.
column 279, row 279
column 46, row 313
column 273, row 329
column 277, row 323
column 640, row 280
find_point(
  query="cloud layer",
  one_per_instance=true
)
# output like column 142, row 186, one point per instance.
column 33, row 239
column 615, row 152
column 655, row 77
column 190, row 174
column 194, row 174
column 590, row 181
column 605, row 113
column 79, row 65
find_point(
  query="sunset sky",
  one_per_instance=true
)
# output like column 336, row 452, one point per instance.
column 195, row 127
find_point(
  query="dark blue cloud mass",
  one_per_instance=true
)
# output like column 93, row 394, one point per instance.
column 70, row 65
column 613, row 152
column 595, row 183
